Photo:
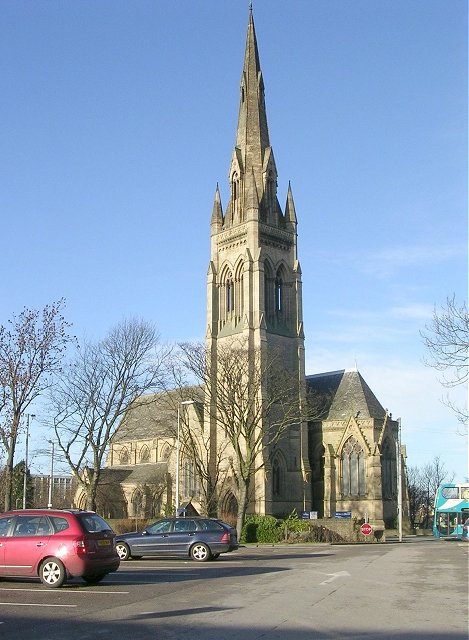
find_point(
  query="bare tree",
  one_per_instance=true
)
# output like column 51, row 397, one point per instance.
column 447, row 341
column 417, row 495
column 90, row 399
column 196, row 442
column 254, row 399
column 32, row 349
column 422, row 485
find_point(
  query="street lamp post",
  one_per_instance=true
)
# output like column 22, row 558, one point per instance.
column 25, row 477
column 51, row 476
column 399, row 480
column 178, row 448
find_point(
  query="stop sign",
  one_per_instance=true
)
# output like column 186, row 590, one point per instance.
column 366, row 529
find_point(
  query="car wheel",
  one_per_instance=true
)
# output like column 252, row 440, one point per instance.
column 94, row 579
column 123, row 551
column 200, row 552
column 52, row 573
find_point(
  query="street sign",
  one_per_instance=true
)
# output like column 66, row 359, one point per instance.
column 343, row 514
column 366, row 529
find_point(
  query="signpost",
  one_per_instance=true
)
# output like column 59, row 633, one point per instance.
column 366, row 529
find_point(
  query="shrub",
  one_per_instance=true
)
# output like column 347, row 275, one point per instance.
column 314, row 533
column 264, row 529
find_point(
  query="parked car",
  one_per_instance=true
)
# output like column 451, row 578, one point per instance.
column 201, row 539
column 465, row 531
column 56, row 545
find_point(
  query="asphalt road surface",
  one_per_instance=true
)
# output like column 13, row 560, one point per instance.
column 414, row 590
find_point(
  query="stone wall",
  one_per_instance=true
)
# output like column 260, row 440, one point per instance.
column 334, row 530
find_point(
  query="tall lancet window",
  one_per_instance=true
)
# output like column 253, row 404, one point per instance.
column 271, row 189
column 239, row 293
column 278, row 476
column 234, row 196
column 227, row 296
column 388, row 469
column 353, row 469
column 278, row 294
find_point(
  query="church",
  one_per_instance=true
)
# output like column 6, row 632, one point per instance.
column 342, row 460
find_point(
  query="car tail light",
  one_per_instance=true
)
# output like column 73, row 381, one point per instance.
column 225, row 538
column 80, row 546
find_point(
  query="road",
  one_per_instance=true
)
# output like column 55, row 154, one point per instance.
column 414, row 590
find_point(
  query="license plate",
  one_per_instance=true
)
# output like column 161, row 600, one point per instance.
column 104, row 543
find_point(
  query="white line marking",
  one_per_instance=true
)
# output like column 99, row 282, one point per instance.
column 34, row 604
column 85, row 591
column 334, row 576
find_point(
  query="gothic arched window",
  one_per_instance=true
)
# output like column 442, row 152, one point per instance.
column 353, row 469
column 271, row 190
column 229, row 296
column 388, row 469
column 234, row 196
column 144, row 454
column 281, row 296
column 278, row 294
column 189, row 479
column 124, row 457
column 278, row 477
column 238, row 306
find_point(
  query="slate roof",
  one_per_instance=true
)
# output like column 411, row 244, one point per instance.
column 151, row 473
column 347, row 395
column 153, row 415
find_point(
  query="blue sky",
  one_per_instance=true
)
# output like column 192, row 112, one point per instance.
column 119, row 118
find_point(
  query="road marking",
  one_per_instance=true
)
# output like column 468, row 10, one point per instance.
column 35, row 604
column 84, row 590
column 334, row 576
column 161, row 572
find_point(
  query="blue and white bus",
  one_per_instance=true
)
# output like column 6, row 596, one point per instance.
column 451, row 510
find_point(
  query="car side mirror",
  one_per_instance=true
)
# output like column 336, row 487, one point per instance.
column 144, row 532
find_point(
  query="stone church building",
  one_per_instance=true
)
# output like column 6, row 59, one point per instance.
column 344, row 461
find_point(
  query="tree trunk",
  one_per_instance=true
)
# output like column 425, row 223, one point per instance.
column 212, row 503
column 8, row 484
column 242, row 506
column 91, row 491
column 10, row 463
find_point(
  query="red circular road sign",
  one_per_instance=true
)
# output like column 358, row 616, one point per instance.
column 366, row 529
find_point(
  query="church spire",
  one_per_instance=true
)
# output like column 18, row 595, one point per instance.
column 252, row 136
column 217, row 212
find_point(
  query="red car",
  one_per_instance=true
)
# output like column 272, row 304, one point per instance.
column 56, row 545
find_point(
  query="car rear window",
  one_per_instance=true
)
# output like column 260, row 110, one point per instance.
column 59, row 523
column 92, row 523
column 210, row 525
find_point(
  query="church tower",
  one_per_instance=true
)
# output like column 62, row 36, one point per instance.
column 254, row 283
